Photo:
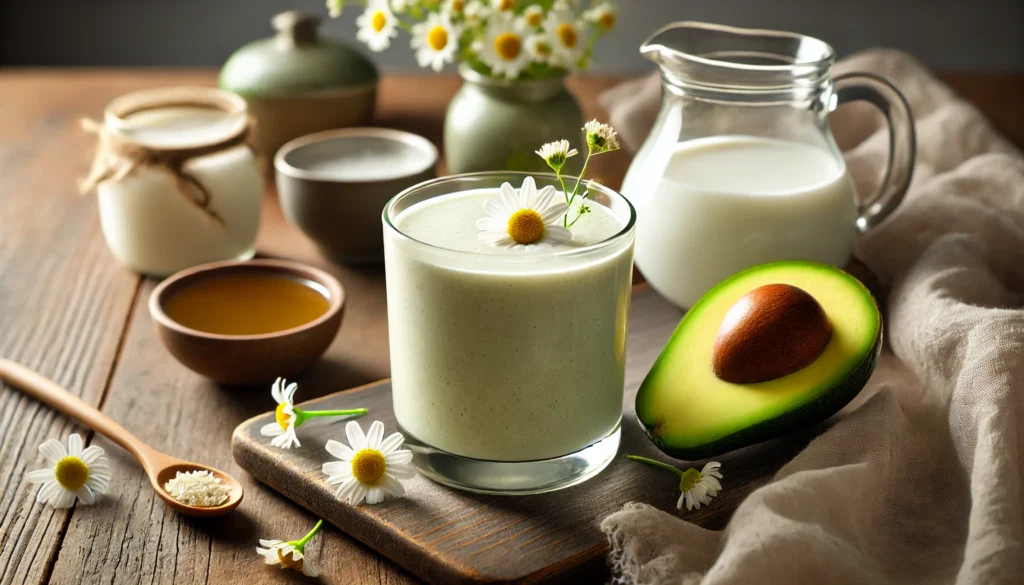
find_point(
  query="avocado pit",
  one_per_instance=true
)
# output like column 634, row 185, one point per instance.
column 772, row 331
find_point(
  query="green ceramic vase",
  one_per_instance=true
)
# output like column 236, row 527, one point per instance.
column 497, row 124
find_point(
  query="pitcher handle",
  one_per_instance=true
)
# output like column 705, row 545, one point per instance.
column 902, row 141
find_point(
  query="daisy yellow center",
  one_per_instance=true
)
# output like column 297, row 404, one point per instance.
column 458, row 6
column 525, row 226
column 71, row 473
column 282, row 417
column 378, row 20
column 505, row 5
column 437, row 38
column 534, row 18
column 689, row 479
column 542, row 48
column 507, row 45
column 567, row 35
column 607, row 20
column 288, row 560
column 368, row 466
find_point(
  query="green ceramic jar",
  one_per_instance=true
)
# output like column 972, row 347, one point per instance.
column 497, row 124
column 297, row 83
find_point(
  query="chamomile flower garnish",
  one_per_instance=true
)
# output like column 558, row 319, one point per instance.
column 567, row 37
column 501, row 47
column 556, row 153
column 603, row 16
column 435, row 41
column 75, row 473
column 377, row 25
column 696, row 487
column 288, row 418
column 289, row 554
column 600, row 137
column 529, row 217
column 534, row 16
column 370, row 465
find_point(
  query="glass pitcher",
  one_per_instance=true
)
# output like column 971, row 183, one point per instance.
column 741, row 168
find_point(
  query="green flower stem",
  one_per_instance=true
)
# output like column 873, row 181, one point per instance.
column 302, row 416
column 301, row 543
column 579, row 179
column 664, row 466
column 570, row 198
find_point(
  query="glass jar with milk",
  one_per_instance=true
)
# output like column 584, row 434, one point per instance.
column 177, row 182
column 741, row 167
column 507, row 364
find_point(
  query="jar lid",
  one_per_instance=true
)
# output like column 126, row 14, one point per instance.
column 296, row 60
column 177, row 118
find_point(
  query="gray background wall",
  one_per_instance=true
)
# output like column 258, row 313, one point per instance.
column 945, row 34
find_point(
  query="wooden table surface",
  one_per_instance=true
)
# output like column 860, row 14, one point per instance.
column 70, row 312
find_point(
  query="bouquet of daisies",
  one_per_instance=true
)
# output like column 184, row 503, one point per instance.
column 500, row 38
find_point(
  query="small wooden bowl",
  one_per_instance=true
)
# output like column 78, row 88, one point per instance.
column 245, row 360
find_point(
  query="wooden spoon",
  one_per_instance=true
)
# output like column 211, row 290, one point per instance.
column 160, row 467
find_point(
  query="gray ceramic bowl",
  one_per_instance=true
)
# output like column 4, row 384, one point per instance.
column 333, row 185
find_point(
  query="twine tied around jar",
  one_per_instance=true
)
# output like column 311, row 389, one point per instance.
column 119, row 154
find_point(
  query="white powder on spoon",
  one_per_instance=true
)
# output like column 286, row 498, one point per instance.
column 198, row 488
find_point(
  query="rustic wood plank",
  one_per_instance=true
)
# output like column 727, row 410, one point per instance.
column 447, row 536
column 63, row 300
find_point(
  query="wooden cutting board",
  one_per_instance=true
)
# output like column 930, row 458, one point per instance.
column 447, row 536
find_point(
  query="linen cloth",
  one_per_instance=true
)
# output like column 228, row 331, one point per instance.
column 921, row 483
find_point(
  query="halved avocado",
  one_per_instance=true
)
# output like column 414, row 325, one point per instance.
column 690, row 413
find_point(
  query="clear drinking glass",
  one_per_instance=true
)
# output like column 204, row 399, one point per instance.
column 768, row 92
column 508, row 370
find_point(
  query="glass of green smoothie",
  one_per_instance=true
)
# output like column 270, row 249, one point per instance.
column 507, row 313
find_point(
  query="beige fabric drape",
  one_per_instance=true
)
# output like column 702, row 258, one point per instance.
column 923, row 481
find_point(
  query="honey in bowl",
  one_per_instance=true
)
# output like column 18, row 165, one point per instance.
column 247, row 303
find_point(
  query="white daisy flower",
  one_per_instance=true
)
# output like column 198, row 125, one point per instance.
column 519, row 220
column 556, row 153
column 567, row 37
column 475, row 11
column 603, row 16
column 539, row 47
column 283, row 430
column 455, row 7
column 503, row 5
column 502, row 48
column 435, row 41
column 600, row 137
column 289, row 553
column 377, row 25
column 698, row 487
column 75, row 473
column 534, row 16
column 370, row 467
column 400, row 6
column 288, row 417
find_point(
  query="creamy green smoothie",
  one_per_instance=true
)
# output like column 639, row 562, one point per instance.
column 506, row 354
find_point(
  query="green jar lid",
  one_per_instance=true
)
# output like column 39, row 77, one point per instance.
column 294, row 61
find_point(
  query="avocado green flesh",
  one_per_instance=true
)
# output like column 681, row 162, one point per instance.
column 690, row 413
